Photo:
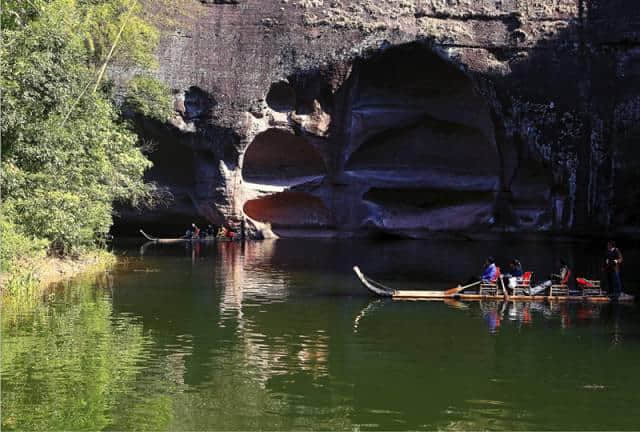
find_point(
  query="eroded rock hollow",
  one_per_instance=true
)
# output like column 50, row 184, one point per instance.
column 404, row 118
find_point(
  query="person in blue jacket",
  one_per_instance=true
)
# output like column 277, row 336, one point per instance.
column 489, row 272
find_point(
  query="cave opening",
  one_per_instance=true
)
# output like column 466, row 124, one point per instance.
column 281, row 97
column 289, row 209
column 428, row 145
column 174, row 170
column 422, row 136
column 277, row 157
column 410, row 101
column 412, row 70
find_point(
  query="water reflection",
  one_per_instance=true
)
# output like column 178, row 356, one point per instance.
column 280, row 335
column 245, row 272
column 250, row 281
column 68, row 363
column 521, row 314
column 565, row 315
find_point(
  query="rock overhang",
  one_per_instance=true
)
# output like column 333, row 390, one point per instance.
column 313, row 53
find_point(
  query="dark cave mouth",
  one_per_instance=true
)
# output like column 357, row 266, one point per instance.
column 281, row 97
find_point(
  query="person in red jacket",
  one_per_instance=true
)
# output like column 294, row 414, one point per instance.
column 195, row 231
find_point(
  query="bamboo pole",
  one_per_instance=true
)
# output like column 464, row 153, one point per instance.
column 115, row 43
column 104, row 65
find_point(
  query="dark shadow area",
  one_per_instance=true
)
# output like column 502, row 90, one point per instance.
column 421, row 198
column 411, row 70
column 281, row 97
column 197, row 104
column 186, row 156
column 582, row 89
column 429, row 144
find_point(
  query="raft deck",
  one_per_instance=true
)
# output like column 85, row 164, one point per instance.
column 457, row 293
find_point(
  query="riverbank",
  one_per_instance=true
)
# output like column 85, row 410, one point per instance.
column 31, row 276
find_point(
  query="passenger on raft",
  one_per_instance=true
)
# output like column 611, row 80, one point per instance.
column 515, row 272
column 195, row 233
column 210, row 231
column 612, row 263
column 563, row 275
column 489, row 273
column 226, row 232
column 515, row 268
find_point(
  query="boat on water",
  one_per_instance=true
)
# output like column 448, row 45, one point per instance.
column 185, row 239
column 458, row 293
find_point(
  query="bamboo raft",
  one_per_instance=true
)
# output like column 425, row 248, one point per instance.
column 457, row 293
column 184, row 239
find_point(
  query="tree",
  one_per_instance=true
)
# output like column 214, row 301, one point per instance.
column 67, row 154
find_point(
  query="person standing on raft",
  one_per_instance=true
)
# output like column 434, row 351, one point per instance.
column 612, row 263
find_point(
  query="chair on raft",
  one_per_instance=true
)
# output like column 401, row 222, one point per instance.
column 589, row 287
column 523, row 284
column 491, row 287
column 561, row 288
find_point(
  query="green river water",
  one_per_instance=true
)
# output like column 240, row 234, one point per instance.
column 280, row 335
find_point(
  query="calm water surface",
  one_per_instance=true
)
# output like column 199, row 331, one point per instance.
column 280, row 335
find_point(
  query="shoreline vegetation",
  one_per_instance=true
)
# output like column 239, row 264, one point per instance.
column 23, row 289
column 69, row 149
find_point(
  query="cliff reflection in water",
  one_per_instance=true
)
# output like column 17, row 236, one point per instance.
column 249, row 281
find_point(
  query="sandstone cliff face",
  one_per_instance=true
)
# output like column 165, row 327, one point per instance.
column 410, row 118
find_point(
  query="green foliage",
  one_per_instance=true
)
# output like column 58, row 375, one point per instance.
column 149, row 97
column 67, row 155
column 15, row 244
column 16, row 13
column 103, row 21
column 97, row 23
column 14, row 248
column 17, row 252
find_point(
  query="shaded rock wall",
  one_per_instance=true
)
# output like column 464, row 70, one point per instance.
column 338, row 118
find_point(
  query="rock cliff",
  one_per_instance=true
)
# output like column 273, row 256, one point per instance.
column 401, row 117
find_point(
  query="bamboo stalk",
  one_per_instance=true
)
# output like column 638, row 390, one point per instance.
column 113, row 46
column 104, row 66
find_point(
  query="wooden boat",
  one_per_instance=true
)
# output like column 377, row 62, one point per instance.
column 183, row 239
column 457, row 293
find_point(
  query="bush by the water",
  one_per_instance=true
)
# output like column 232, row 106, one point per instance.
column 15, row 248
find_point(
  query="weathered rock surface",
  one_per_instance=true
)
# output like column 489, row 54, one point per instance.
column 316, row 117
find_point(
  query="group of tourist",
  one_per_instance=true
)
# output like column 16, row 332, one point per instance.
column 194, row 232
column 611, row 266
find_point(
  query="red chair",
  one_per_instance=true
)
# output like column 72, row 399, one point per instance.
column 523, row 284
column 589, row 287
